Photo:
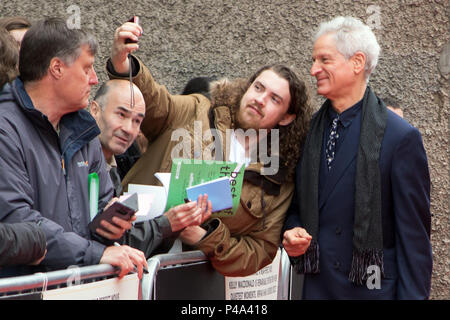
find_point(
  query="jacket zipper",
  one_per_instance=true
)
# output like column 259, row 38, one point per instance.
column 63, row 165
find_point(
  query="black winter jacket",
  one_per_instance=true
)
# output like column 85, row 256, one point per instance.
column 21, row 243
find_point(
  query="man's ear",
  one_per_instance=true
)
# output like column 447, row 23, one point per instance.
column 359, row 62
column 287, row 119
column 94, row 109
column 56, row 68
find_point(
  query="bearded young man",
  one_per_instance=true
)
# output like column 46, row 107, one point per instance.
column 273, row 98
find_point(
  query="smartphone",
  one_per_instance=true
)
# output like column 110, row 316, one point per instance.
column 134, row 19
column 124, row 210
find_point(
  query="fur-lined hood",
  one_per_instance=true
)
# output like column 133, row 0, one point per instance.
column 225, row 92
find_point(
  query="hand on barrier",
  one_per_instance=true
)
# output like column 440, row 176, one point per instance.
column 188, row 214
column 126, row 258
column 296, row 241
column 120, row 47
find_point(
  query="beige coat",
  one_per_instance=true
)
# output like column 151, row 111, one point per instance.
column 239, row 245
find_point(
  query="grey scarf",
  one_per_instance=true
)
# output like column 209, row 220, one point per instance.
column 367, row 228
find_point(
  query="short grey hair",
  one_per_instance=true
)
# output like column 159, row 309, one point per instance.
column 352, row 35
column 47, row 39
column 86, row 39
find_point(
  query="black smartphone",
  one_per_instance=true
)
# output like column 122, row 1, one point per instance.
column 134, row 19
column 123, row 210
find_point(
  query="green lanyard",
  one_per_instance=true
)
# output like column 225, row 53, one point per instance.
column 93, row 194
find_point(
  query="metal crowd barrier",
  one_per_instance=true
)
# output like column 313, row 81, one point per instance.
column 284, row 277
column 174, row 275
column 16, row 287
column 171, row 276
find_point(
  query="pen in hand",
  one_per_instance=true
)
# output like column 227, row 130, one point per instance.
column 116, row 244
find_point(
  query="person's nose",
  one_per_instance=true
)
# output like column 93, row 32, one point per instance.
column 261, row 99
column 315, row 69
column 93, row 80
column 127, row 126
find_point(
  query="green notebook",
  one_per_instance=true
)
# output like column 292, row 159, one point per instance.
column 189, row 172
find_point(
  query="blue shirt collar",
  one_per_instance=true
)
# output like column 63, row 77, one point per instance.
column 348, row 115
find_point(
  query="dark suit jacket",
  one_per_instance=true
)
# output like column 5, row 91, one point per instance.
column 405, row 187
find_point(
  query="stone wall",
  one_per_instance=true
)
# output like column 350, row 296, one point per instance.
column 188, row 38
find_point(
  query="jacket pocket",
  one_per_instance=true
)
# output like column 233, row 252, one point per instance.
column 256, row 205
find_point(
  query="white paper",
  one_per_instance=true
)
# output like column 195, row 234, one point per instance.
column 164, row 177
column 145, row 202
column 152, row 200
column 263, row 285
column 126, row 288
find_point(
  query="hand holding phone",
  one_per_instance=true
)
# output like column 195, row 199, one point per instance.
column 124, row 43
column 124, row 210
column 134, row 19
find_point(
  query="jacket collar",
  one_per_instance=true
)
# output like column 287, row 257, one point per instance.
column 76, row 128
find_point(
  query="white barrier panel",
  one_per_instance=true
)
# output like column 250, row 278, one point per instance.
column 126, row 288
column 92, row 282
column 262, row 285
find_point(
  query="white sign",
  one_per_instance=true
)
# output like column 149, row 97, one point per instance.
column 126, row 288
column 263, row 285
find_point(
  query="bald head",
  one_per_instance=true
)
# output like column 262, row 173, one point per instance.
column 112, row 87
column 118, row 118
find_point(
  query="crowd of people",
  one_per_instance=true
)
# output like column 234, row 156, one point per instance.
column 351, row 189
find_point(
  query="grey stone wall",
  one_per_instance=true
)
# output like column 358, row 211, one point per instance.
column 187, row 38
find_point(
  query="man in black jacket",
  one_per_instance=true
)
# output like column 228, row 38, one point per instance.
column 21, row 244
